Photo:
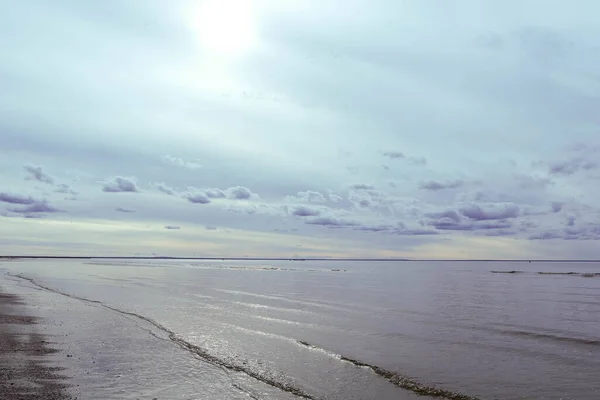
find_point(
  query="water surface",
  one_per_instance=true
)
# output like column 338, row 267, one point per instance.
column 452, row 325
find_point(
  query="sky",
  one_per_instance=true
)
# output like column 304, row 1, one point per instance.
column 417, row 129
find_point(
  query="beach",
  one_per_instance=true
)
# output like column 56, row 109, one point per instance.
column 159, row 329
column 26, row 368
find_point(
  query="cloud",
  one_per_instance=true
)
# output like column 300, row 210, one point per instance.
column 503, row 211
column 360, row 199
column 394, row 154
column 330, row 222
column 414, row 232
column 125, row 210
column 304, row 211
column 215, row 193
column 376, row 228
column 119, row 184
column 570, row 220
column 204, row 196
column 36, row 172
column 16, row 199
column 533, row 182
column 570, row 167
column 334, row 198
column 179, row 162
column 590, row 231
column 210, row 228
column 557, row 206
column 449, row 214
column 164, row 188
column 436, row 185
column 172, row 227
column 451, row 223
column 308, row 196
column 196, row 196
column 545, row 236
column 500, row 232
column 37, row 207
column 240, row 193
column 64, row 188
column 361, row 186
column 526, row 225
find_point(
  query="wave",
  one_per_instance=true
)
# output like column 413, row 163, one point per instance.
column 397, row 379
column 559, row 337
column 318, row 304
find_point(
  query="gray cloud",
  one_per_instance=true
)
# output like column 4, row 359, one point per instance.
column 452, row 225
column 36, row 172
column 64, row 188
column 545, row 236
column 436, row 185
column 570, row 220
column 16, row 199
column 172, row 227
column 570, row 167
column 361, row 186
column 526, row 225
column 37, row 207
column 414, row 232
column 500, row 232
column 215, row 193
column 119, row 184
column 204, row 196
column 164, row 188
column 304, row 211
column 394, row 154
column 240, row 193
column 503, row 211
column 330, row 222
column 210, row 228
column 179, row 162
column 124, row 210
column 449, row 214
column 557, row 206
column 196, row 196
column 376, row 228
column 590, row 231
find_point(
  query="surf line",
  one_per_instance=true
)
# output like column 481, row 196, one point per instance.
column 401, row 381
column 195, row 350
column 396, row 379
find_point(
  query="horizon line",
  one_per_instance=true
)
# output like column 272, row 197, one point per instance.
column 289, row 258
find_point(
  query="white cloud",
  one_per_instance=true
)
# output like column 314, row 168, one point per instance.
column 180, row 162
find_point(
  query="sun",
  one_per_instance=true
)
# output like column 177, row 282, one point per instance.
column 227, row 27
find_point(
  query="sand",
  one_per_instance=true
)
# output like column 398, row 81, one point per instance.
column 26, row 373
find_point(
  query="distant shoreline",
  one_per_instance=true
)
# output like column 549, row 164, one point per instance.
column 278, row 259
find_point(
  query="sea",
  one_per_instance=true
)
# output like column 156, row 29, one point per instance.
column 231, row 329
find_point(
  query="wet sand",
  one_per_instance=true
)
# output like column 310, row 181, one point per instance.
column 26, row 373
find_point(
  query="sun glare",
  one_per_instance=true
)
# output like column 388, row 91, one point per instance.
column 227, row 27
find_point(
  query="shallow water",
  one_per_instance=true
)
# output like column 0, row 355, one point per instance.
column 452, row 325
